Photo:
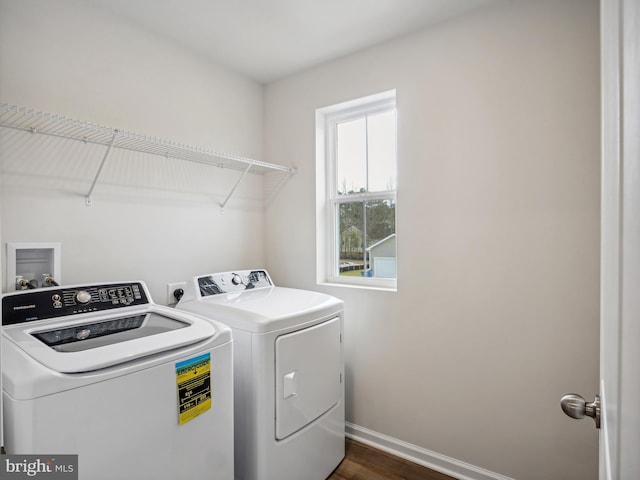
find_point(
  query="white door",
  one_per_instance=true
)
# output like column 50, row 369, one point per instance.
column 620, row 274
column 620, row 284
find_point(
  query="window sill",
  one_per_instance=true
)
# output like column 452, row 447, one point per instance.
column 377, row 285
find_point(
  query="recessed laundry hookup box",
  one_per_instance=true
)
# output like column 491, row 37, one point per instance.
column 33, row 265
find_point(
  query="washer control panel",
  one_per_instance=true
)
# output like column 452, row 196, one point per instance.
column 230, row 282
column 32, row 305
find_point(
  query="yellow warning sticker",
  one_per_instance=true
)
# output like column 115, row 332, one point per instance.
column 193, row 377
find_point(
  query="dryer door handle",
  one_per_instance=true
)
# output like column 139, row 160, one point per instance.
column 289, row 385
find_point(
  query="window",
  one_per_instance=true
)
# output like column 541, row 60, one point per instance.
column 357, row 173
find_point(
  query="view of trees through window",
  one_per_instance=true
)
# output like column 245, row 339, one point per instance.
column 365, row 195
column 362, row 225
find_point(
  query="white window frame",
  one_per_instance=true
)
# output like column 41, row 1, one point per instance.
column 327, row 221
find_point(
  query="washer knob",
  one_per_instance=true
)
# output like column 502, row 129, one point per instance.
column 82, row 296
column 236, row 279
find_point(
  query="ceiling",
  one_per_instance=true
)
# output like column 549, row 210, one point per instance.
column 270, row 39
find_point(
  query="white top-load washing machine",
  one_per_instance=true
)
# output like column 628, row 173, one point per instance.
column 288, row 373
column 136, row 390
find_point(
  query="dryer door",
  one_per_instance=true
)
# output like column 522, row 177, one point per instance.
column 308, row 375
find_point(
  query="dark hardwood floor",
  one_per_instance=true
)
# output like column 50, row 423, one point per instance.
column 362, row 462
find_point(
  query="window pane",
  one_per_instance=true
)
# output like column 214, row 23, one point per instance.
column 382, row 151
column 381, row 239
column 351, row 156
column 351, row 238
column 367, row 239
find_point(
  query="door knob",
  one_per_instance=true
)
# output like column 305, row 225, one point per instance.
column 576, row 407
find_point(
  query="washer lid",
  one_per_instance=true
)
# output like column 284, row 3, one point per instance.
column 99, row 341
column 265, row 309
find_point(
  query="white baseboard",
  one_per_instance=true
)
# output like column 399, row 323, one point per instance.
column 421, row 456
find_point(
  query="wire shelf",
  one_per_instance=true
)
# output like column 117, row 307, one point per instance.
column 35, row 121
column 38, row 122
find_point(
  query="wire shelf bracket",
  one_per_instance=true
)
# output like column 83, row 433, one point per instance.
column 38, row 122
column 226, row 200
column 88, row 199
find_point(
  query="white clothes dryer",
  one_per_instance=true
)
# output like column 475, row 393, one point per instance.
column 288, row 373
column 136, row 390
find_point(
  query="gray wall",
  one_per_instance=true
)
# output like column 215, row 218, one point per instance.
column 496, row 313
column 153, row 219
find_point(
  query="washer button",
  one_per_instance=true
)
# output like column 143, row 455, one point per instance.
column 82, row 296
